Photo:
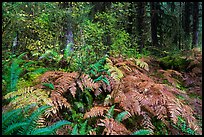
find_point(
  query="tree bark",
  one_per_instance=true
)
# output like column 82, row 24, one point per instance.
column 195, row 24
column 154, row 21
column 186, row 18
column 141, row 24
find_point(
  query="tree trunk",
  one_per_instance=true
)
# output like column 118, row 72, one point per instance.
column 186, row 19
column 141, row 24
column 154, row 19
column 195, row 25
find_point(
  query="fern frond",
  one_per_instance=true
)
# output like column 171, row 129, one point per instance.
column 141, row 132
column 15, row 72
column 49, row 85
column 14, row 127
column 110, row 112
column 170, row 74
column 75, row 130
column 50, row 129
column 123, row 115
column 82, row 130
column 113, row 128
column 8, row 116
column 142, row 64
column 32, row 119
column 116, row 73
column 87, row 82
column 108, row 100
column 58, row 102
column 96, row 111
column 26, row 96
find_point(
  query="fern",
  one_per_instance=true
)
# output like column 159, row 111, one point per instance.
column 96, row 111
column 89, row 98
column 75, row 130
column 15, row 122
column 181, row 125
column 116, row 73
column 82, row 130
column 49, row 85
column 50, row 129
column 32, row 119
column 110, row 112
column 26, row 96
column 113, row 128
column 102, row 78
column 142, row 64
column 123, row 115
column 14, row 127
column 141, row 132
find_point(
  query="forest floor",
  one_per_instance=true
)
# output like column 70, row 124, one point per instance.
column 142, row 87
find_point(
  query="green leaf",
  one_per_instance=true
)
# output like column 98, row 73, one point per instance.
column 120, row 116
column 13, row 127
column 82, row 130
column 32, row 119
column 49, row 85
column 141, row 132
column 75, row 130
column 110, row 112
column 50, row 129
column 106, row 81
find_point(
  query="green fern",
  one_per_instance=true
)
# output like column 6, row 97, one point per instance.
column 102, row 78
column 32, row 119
column 121, row 116
column 50, row 129
column 14, row 127
column 19, row 121
column 82, row 130
column 75, row 130
column 15, row 72
column 181, row 125
column 110, row 112
column 89, row 98
column 141, row 132
column 11, row 119
column 49, row 85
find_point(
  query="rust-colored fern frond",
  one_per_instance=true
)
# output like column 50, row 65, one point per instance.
column 146, row 122
column 172, row 76
column 113, row 128
column 137, row 93
column 87, row 82
column 62, row 81
column 58, row 102
column 96, row 111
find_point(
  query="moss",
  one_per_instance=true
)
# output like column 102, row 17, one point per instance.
column 175, row 62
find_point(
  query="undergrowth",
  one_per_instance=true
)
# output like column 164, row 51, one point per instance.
column 112, row 96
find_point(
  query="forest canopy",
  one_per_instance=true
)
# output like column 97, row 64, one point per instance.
column 102, row 68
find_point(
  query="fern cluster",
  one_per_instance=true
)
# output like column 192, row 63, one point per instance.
column 23, row 122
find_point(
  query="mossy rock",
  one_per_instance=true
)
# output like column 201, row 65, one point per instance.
column 175, row 62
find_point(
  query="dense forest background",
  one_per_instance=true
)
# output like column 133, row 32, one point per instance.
column 102, row 67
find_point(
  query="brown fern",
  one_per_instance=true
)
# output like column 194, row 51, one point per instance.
column 170, row 76
column 96, row 111
column 137, row 93
column 113, row 128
